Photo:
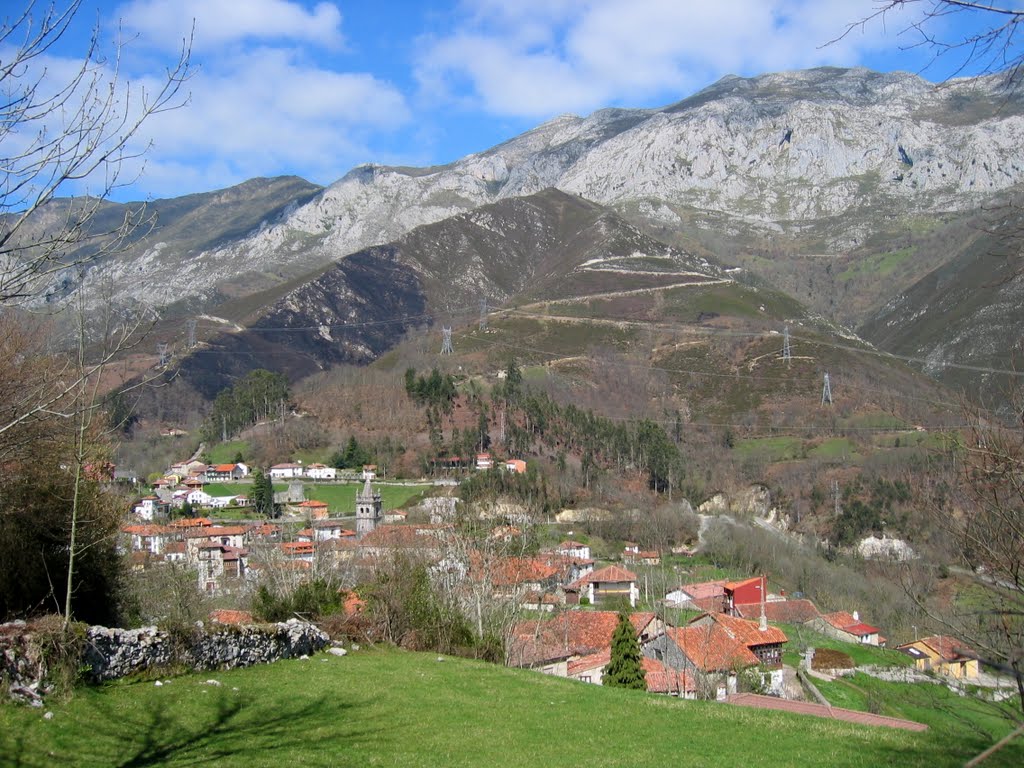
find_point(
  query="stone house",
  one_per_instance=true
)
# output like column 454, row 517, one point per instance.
column 716, row 647
column 847, row 627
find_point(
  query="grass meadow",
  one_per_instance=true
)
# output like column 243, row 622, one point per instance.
column 392, row 708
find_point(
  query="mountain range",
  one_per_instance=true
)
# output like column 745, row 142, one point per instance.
column 863, row 195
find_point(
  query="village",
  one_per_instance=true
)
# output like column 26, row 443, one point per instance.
column 721, row 640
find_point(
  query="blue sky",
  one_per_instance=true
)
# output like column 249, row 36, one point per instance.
column 315, row 88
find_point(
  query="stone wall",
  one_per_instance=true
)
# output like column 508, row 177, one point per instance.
column 112, row 653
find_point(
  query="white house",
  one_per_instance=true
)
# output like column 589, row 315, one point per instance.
column 286, row 471
column 147, row 507
column 574, row 549
column 321, row 472
column 150, row 538
column 199, row 498
column 325, row 530
column 608, row 582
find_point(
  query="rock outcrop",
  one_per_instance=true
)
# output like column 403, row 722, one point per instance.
column 108, row 654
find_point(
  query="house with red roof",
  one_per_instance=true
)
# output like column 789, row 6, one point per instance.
column 703, row 596
column 298, row 550
column 191, row 522
column 326, row 530
column 944, row 655
column 286, row 471
column 223, row 535
column 746, row 591
column 218, row 564
column 577, row 633
column 715, row 647
column 148, row 507
column 224, row 473
column 517, row 466
column 516, row 576
column 264, row 531
column 800, row 611
column 316, row 509
column 574, row 549
column 321, row 472
column 641, row 556
column 608, row 583
column 847, row 627
column 660, row 679
column 150, row 538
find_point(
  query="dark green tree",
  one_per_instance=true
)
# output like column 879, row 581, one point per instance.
column 625, row 669
column 262, row 494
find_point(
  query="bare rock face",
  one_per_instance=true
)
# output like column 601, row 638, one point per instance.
column 777, row 152
column 884, row 548
column 109, row 653
column 115, row 653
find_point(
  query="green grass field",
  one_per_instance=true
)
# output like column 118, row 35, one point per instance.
column 769, row 448
column 390, row 708
column 934, row 705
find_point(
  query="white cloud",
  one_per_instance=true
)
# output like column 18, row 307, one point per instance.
column 267, row 112
column 224, row 22
column 533, row 59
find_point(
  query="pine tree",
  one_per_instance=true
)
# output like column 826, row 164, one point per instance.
column 625, row 669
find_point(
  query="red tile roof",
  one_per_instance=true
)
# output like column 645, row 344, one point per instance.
column 820, row 710
column 662, row 679
column 780, row 611
column 705, row 589
column 509, row 571
column 227, row 616
column 716, row 642
column 579, row 632
column 192, row 522
column 265, row 529
column 215, row 530
column 297, row 547
column 150, row 529
column 610, row 574
column 223, row 468
column 948, row 648
column 734, row 585
column 353, row 604
column 847, row 623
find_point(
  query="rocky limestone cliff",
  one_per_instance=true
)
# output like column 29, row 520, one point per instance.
column 779, row 152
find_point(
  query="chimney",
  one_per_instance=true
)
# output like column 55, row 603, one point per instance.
column 856, row 616
column 763, row 623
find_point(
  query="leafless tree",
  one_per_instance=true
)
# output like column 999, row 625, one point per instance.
column 974, row 33
column 983, row 518
column 52, row 134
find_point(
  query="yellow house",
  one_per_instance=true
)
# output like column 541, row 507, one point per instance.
column 943, row 654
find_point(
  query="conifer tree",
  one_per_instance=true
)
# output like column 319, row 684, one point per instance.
column 625, row 669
